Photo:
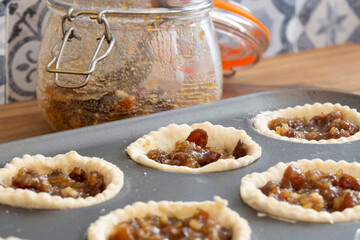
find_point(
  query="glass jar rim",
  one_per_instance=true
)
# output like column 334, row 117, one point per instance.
column 155, row 7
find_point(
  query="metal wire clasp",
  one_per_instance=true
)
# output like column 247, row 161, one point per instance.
column 68, row 35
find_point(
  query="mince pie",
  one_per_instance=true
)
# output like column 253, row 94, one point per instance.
column 171, row 220
column 202, row 147
column 317, row 123
column 65, row 181
column 306, row 190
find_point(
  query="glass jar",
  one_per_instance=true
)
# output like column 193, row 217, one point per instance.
column 101, row 61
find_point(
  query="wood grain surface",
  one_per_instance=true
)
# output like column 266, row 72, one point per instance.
column 335, row 68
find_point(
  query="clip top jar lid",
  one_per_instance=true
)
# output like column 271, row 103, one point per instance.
column 134, row 6
column 242, row 38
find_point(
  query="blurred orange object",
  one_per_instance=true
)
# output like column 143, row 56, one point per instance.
column 248, row 40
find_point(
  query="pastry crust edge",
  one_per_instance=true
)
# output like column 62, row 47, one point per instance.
column 307, row 111
column 252, row 195
column 102, row 228
column 166, row 137
column 113, row 177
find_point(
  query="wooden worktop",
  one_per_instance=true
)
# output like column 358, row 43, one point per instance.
column 335, row 68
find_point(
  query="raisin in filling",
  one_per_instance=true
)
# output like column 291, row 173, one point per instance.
column 77, row 184
column 198, row 226
column 193, row 152
column 316, row 189
column 324, row 126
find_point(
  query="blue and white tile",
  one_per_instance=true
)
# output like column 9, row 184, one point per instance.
column 303, row 11
column 350, row 23
column 2, row 80
column 294, row 31
column 2, row 28
column 332, row 22
column 355, row 6
column 2, row 35
column 355, row 36
column 2, row 51
column 24, row 31
column 287, row 8
column 273, row 20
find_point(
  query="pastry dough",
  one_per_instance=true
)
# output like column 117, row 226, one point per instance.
column 252, row 195
column 218, row 211
column 307, row 111
column 166, row 137
column 17, row 197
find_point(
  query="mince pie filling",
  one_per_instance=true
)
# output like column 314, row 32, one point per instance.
column 315, row 189
column 198, row 226
column 193, row 152
column 323, row 126
column 76, row 184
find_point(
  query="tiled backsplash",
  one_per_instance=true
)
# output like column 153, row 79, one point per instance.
column 294, row 25
column 21, row 26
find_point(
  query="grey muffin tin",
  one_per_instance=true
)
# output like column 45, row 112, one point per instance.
column 110, row 140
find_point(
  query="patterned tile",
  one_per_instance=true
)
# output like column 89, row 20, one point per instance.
column 294, row 30
column 2, row 27
column 272, row 18
column 307, row 10
column 355, row 36
column 2, row 51
column 288, row 9
column 3, row 7
column 355, row 6
column 24, row 25
column 304, row 42
column 2, row 80
column 332, row 22
column 346, row 21
column 2, row 35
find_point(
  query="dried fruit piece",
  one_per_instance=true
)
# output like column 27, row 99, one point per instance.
column 240, row 149
column 199, row 137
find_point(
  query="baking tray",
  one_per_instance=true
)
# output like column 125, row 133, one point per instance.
column 110, row 140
